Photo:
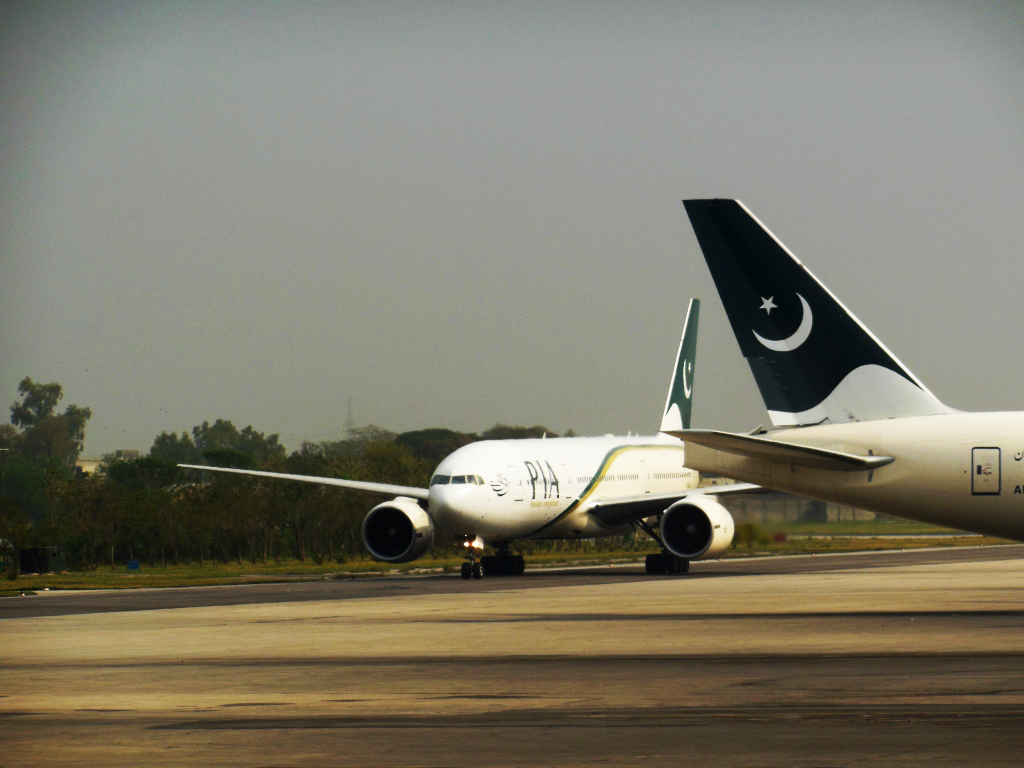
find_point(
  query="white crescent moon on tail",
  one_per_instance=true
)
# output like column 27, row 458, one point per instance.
column 687, row 388
column 798, row 338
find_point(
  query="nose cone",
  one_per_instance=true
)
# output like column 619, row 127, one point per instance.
column 456, row 507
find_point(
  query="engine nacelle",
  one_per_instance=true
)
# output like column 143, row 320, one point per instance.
column 697, row 527
column 398, row 531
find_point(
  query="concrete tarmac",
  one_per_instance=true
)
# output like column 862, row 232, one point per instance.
column 912, row 658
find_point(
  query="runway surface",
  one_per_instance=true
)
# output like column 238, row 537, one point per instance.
column 103, row 601
column 905, row 658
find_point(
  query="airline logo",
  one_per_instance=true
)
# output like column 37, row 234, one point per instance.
column 501, row 484
column 798, row 337
column 540, row 476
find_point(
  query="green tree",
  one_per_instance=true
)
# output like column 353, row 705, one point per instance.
column 144, row 487
column 175, row 450
column 56, row 488
column 14, row 533
column 47, row 435
column 196, row 514
column 10, row 444
column 355, row 441
column 230, row 458
column 222, row 435
column 110, row 511
column 143, row 473
column 505, row 432
column 433, row 445
column 86, row 504
column 389, row 463
column 38, row 402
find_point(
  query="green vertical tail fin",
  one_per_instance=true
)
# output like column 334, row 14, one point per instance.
column 812, row 359
column 680, row 391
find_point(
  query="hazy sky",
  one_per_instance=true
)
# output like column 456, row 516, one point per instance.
column 459, row 214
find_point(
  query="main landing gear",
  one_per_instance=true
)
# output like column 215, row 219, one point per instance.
column 503, row 564
column 665, row 562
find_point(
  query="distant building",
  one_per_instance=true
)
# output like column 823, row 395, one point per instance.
column 90, row 466
column 87, row 466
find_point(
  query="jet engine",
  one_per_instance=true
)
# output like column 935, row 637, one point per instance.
column 398, row 531
column 696, row 527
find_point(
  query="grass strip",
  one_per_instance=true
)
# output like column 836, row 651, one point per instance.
column 212, row 574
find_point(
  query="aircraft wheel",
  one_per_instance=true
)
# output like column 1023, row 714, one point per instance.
column 520, row 565
column 466, row 570
column 682, row 566
column 477, row 571
column 490, row 565
column 655, row 564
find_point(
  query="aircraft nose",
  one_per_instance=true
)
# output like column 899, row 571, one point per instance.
column 455, row 504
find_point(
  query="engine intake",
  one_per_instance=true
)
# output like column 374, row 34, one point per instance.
column 398, row 531
column 697, row 527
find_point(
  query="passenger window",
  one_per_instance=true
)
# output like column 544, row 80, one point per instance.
column 439, row 480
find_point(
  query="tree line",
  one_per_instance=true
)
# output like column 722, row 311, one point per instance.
column 149, row 509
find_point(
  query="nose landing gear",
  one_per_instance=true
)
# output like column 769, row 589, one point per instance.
column 471, row 568
column 503, row 563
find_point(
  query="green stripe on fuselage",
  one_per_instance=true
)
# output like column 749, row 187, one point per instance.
column 613, row 454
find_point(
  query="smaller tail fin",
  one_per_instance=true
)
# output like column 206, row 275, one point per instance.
column 680, row 390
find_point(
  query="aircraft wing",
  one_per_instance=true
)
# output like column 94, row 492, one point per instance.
column 382, row 489
column 778, row 452
column 624, row 510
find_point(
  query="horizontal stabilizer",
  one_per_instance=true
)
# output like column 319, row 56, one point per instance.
column 381, row 489
column 778, row 452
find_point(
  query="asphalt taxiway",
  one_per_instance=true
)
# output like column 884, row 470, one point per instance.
column 902, row 658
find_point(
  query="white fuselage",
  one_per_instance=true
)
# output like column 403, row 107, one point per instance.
column 962, row 470
column 541, row 488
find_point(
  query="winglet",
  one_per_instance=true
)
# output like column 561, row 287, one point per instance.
column 680, row 392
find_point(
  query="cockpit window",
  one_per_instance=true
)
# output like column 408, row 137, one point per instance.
column 439, row 480
column 460, row 479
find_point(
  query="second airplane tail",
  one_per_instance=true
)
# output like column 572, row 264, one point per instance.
column 679, row 403
column 813, row 361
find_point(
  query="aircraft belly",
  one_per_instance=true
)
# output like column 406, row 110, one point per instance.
column 580, row 525
column 515, row 523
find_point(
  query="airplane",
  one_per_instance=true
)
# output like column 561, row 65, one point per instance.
column 850, row 423
column 498, row 491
